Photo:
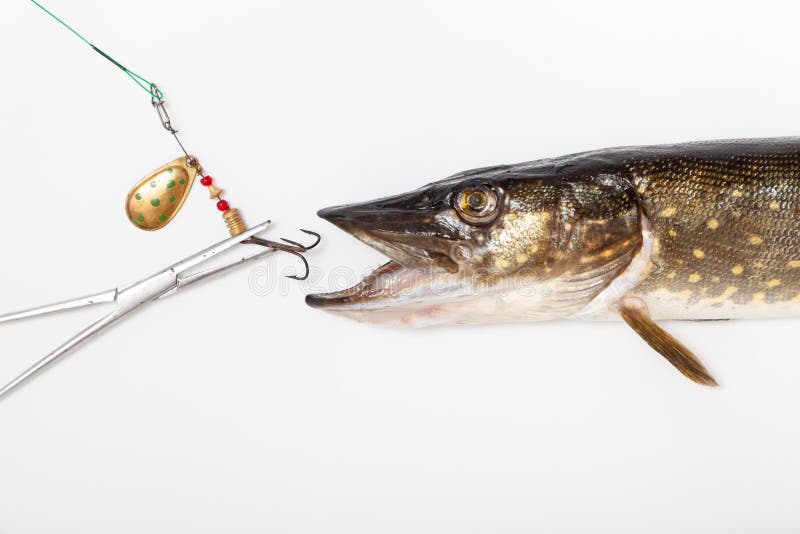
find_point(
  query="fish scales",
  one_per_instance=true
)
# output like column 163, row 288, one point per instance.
column 726, row 228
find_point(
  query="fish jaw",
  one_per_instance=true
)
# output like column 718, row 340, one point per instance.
column 428, row 279
column 414, row 229
column 421, row 284
column 397, row 295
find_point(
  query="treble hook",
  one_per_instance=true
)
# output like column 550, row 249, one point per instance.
column 305, row 248
column 293, row 248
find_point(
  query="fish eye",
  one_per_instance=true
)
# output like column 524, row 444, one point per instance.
column 477, row 204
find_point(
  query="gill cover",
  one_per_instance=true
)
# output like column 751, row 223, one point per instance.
column 595, row 236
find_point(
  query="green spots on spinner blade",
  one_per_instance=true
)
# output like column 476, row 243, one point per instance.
column 153, row 202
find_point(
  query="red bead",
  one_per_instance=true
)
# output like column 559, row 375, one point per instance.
column 222, row 205
column 206, row 180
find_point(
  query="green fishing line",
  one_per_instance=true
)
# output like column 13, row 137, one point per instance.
column 142, row 82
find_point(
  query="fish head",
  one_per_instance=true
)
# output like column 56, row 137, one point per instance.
column 486, row 245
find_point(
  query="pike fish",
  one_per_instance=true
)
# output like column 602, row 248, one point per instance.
column 695, row 231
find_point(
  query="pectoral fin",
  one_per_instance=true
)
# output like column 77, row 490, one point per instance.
column 634, row 312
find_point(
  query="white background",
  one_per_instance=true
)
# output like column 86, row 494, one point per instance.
column 228, row 410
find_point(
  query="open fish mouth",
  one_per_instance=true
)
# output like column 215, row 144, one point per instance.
column 431, row 248
column 413, row 273
column 433, row 237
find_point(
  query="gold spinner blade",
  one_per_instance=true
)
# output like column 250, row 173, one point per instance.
column 157, row 198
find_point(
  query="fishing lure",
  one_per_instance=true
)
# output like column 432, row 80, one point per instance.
column 156, row 199
column 697, row 231
column 151, row 205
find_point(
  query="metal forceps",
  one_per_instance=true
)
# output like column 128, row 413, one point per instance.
column 132, row 297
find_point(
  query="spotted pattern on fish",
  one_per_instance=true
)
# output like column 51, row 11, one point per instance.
column 737, row 214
